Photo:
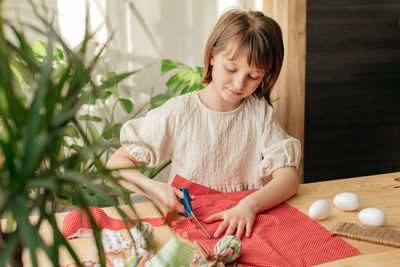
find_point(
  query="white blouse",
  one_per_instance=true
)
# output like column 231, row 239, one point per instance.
column 226, row 151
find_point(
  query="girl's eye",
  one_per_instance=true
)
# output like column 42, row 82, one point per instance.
column 253, row 78
column 230, row 70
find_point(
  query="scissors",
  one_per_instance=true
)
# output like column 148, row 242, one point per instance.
column 189, row 211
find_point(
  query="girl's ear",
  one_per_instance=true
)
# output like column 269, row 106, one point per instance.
column 212, row 60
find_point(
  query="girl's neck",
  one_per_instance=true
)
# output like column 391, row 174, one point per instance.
column 212, row 100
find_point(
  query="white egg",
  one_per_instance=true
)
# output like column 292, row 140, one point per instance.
column 347, row 201
column 372, row 216
column 320, row 209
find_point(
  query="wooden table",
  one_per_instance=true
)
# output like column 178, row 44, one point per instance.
column 380, row 191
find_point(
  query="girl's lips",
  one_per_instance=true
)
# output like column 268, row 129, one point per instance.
column 233, row 92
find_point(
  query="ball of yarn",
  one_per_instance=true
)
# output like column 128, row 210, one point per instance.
column 142, row 233
column 230, row 247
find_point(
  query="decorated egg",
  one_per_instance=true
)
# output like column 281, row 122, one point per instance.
column 320, row 209
column 230, row 247
column 347, row 201
column 372, row 216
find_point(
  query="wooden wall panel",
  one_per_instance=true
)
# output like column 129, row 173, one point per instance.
column 290, row 88
column 352, row 124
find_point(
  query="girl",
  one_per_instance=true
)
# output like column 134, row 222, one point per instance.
column 225, row 136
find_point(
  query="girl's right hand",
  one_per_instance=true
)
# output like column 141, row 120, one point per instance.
column 166, row 197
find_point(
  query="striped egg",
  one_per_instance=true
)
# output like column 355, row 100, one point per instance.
column 230, row 247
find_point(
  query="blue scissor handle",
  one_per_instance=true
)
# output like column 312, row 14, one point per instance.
column 186, row 201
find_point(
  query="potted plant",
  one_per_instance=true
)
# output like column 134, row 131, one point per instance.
column 38, row 103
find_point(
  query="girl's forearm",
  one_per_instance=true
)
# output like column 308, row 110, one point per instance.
column 134, row 180
column 284, row 184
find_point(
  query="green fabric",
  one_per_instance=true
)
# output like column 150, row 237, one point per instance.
column 175, row 253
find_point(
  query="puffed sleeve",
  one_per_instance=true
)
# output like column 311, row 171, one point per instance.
column 278, row 148
column 150, row 139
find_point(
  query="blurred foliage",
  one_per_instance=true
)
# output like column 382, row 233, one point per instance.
column 41, row 89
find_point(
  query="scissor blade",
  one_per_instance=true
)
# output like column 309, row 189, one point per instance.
column 201, row 227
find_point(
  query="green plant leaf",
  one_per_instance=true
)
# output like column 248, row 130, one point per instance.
column 34, row 153
column 59, row 55
column 71, row 131
column 117, row 129
column 126, row 104
column 200, row 71
column 106, row 95
column 39, row 48
column 195, row 84
column 25, row 229
column 94, row 132
column 158, row 100
column 11, row 243
column 82, row 179
column 87, row 117
column 107, row 132
column 169, row 64
column 35, row 118
column 178, row 81
column 59, row 239
column 111, row 131
column 109, row 76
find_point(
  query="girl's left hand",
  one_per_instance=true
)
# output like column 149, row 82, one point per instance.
column 239, row 218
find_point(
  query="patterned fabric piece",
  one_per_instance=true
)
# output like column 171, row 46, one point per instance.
column 142, row 234
column 114, row 242
column 77, row 223
column 90, row 263
column 174, row 253
column 282, row 236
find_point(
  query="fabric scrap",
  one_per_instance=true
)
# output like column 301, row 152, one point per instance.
column 77, row 223
column 90, row 263
column 175, row 253
column 114, row 242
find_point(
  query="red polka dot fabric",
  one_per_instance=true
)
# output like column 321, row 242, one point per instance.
column 76, row 221
column 282, row 236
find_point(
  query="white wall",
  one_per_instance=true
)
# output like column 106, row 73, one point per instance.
column 180, row 29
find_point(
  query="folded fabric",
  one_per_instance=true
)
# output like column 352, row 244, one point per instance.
column 77, row 223
column 174, row 253
column 282, row 236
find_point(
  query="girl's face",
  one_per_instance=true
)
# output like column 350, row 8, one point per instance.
column 233, row 79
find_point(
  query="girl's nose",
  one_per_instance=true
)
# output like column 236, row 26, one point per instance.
column 239, row 82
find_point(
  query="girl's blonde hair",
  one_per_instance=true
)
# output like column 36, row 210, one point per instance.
column 256, row 34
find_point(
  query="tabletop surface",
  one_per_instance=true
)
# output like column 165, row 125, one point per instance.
column 379, row 191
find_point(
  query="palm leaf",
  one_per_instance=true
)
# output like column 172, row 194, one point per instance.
column 25, row 230
column 11, row 244
column 38, row 169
